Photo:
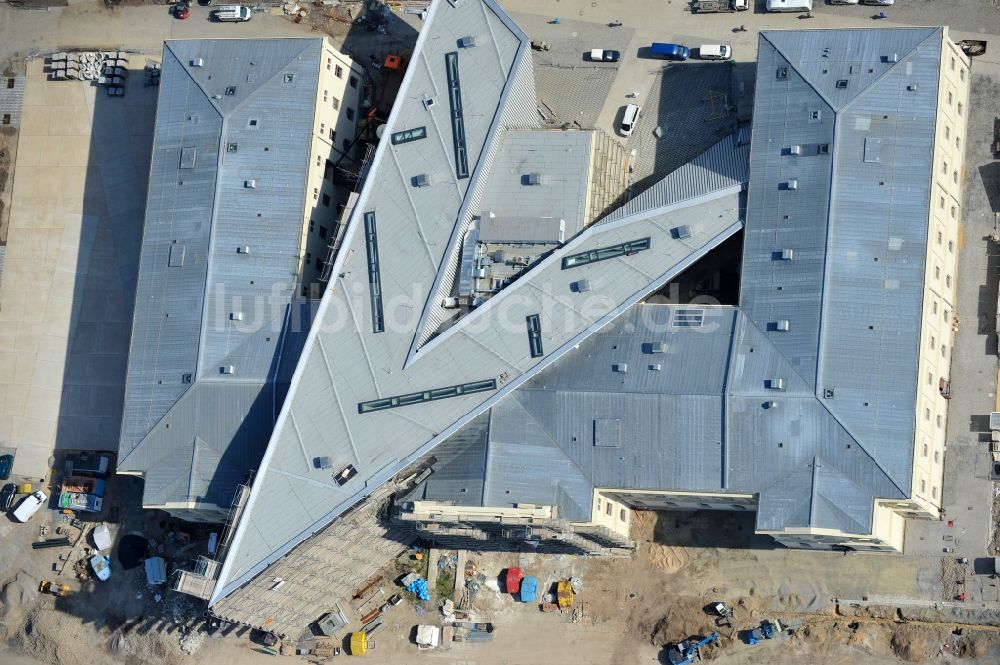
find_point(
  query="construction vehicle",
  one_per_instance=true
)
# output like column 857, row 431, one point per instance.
column 724, row 614
column 55, row 589
column 765, row 631
column 689, row 651
column 564, row 594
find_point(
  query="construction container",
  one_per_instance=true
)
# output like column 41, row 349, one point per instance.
column 512, row 580
column 359, row 643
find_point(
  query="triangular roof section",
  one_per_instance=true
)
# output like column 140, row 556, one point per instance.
column 815, row 496
column 229, row 74
column 840, row 65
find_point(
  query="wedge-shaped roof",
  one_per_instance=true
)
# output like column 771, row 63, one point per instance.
column 363, row 370
column 218, row 262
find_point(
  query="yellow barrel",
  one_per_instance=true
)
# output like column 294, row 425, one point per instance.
column 24, row 488
column 359, row 643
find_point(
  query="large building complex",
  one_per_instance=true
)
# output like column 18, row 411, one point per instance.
column 241, row 202
column 483, row 356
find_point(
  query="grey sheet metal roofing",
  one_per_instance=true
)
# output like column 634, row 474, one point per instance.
column 856, row 224
column 229, row 111
column 344, row 362
column 562, row 158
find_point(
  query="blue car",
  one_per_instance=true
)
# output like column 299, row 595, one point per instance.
column 669, row 51
column 6, row 464
column 529, row 589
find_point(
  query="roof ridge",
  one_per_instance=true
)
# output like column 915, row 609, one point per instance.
column 893, row 68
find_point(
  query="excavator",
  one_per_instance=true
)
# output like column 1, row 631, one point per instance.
column 689, row 651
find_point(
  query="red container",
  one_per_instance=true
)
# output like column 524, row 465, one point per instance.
column 512, row 580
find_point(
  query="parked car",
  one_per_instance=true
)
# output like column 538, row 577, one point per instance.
column 7, row 496
column 182, row 10
column 844, row 2
column 604, row 55
column 715, row 51
column 629, row 118
column 741, row 5
column 29, row 506
column 6, row 464
column 882, row 3
column 669, row 51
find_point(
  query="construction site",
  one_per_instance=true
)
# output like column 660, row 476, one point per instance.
column 481, row 331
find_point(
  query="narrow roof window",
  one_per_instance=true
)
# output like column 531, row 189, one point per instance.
column 230, row 90
column 289, row 78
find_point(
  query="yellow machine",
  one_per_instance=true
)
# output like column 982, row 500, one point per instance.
column 359, row 643
column 24, row 488
column 564, row 594
column 53, row 588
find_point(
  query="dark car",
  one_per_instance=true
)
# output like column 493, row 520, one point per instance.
column 604, row 55
column 7, row 496
column 6, row 464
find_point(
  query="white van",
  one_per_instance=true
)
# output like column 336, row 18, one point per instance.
column 715, row 51
column 233, row 13
column 27, row 508
column 629, row 118
column 789, row 5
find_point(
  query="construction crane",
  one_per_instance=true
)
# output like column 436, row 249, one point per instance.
column 689, row 651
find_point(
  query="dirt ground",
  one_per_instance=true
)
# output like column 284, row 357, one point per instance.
column 627, row 610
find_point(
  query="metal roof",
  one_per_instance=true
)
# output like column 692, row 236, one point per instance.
column 229, row 111
column 406, row 240
column 560, row 158
column 833, row 264
column 367, row 354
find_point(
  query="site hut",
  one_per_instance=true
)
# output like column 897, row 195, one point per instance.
column 795, row 424
column 240, row 214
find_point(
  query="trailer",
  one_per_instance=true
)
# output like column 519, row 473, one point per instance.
column 712, row 7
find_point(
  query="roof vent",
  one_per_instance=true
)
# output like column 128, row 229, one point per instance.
column 227, row 369
column 198, row 62
column 467, row 42
column 533, row 179
column 793, row 183
column 657, row 347
column 322, row 462
column 621, row 368
column 681, row 232
column 250, row 184
column 245, row 249
column 841, row 83
column 770, row 405
column 823, row 149
column 912, row 87
column 795, row 150
column 776, row 384
column 782, row 73
column 656, row 367
column 422, row 180
column 428, row 102
column 786, row 254
column 236, row 316
column 581, row 286
column 783, row 325
column 893, row 57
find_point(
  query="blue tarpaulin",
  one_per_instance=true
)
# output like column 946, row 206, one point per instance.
column 418, row 587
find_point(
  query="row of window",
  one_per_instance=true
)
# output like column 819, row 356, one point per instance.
column 923, row 488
